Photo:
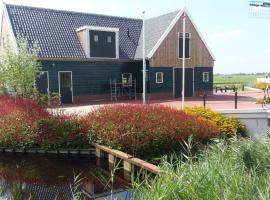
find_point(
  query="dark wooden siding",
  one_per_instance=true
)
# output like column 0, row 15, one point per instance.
column 166, row 86
column 102, row 48
column 92, row 78
column 199, row 85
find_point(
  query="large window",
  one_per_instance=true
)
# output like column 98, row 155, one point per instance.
column 205, row 77
column 159, row 77
column 127, row 79
column 187, row 45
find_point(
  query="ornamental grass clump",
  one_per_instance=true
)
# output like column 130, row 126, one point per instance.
column 145, row 130
column 240, row 170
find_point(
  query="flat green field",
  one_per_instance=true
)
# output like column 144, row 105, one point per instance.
column 236, row 79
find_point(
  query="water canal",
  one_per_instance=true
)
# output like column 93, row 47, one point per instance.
column 40, row 177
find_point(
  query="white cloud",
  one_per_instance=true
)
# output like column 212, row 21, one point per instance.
column 226, row 35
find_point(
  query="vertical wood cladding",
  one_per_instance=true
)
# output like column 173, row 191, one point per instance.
column 167, row 53
column 5, row 32
column 82, row 37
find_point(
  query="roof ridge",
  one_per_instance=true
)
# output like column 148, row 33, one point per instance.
column 72, row 11
column 162, row 15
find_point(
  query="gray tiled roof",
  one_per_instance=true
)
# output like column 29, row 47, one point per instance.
column 55, row 31
column 154, row 28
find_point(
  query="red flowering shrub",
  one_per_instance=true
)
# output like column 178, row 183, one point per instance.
column 24, row 123
column 62, row 132
column 145, row 129
column 18, row 121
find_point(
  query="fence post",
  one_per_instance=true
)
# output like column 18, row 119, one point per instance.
column 235, row 100
column 204, row 100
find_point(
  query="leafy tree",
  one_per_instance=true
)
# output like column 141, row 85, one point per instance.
column 19, row 68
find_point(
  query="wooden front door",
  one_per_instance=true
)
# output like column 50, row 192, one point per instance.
column 42, row 82
column 188, row 82
column 65, row 87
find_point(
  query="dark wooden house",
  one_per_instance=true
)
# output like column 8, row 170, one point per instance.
column 83, row 55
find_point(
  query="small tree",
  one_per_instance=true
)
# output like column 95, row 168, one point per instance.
column 19, row 69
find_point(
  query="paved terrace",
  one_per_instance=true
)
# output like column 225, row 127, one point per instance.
column 219, row 101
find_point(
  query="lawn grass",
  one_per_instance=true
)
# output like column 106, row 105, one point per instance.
column 235, row 171
column 235, row 79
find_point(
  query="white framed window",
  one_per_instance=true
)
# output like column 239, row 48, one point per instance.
column 159, row 77
column 109, row 39
column 95, row 38
column 127, row 79
column 205, row 77
column 187, row 45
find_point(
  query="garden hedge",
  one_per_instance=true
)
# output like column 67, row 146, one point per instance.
column 145, row 130
column 26, row 124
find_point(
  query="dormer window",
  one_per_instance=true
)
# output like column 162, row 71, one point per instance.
column 99, row 42
column 95, row 38
column 109, row 39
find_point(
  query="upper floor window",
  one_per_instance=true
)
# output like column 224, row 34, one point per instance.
column 109, row 39
column 187, row 45
column 205, row 76
column 159, row 77
column 95, row 38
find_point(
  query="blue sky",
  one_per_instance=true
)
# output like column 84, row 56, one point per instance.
column 240, row 43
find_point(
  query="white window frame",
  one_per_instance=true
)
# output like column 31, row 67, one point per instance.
column 48, row 80
column 207, row 77
column 87, row 30
column 109, row 39
column 95, row 38
column 130, row 78
column 59, row 83
column 162, row 77
column 189, row 36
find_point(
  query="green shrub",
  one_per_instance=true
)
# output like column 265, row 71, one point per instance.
column 260, row 100
column 46, row 100
column 267, row 100
column 227, row 125
column 145, row 130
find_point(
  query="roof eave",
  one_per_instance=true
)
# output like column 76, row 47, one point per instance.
column 12, row 34
column 86, row 59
